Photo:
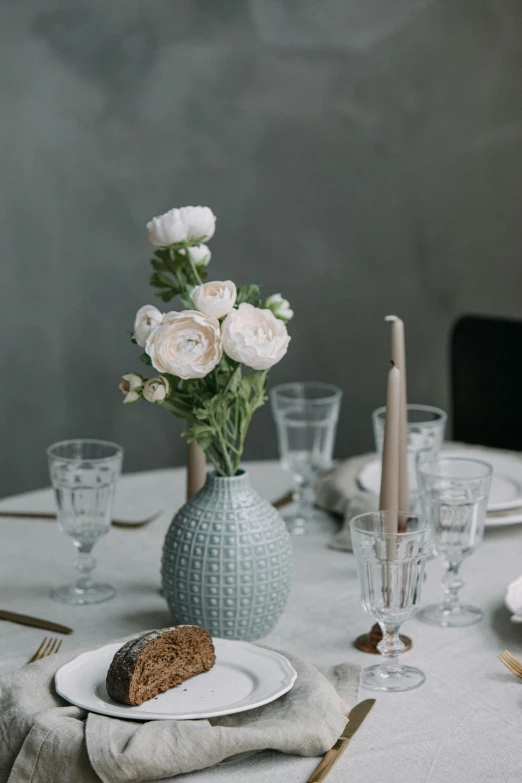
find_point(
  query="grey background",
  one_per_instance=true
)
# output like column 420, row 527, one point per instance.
column 362, row 156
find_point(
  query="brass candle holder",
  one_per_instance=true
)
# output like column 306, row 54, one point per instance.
column 368, row 642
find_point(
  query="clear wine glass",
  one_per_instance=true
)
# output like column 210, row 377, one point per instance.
column 454, row 497
column 84, row 474
column 426, row 428
column 391, row 571
column 306, row 421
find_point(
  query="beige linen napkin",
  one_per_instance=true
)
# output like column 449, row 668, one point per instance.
column 44, row 740
column 338, row 491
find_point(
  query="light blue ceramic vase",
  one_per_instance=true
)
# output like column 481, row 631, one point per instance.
column 227, row 561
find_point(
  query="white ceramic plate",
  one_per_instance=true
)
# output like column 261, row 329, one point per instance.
column 506, row 486
column 243, row 677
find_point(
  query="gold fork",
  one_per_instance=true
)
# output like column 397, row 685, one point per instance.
column 514, row 666
column 48, row 647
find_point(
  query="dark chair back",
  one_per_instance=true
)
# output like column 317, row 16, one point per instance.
column 486, row 381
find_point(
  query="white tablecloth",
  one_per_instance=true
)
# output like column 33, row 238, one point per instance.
column 464, row 724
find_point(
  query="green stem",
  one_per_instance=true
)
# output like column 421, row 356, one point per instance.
column 243, row 429
column 236, row 372
column 212, row 459
column 229, row 465
column 193, row 268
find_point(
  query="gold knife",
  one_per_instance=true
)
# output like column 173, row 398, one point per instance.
column 355, row 719
column 52, row 515
column 35, row 622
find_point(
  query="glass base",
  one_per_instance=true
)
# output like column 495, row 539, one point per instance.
column 297, row 526
column 404, row 678
column 458, row 617
column 95, row 594
column 316, row 523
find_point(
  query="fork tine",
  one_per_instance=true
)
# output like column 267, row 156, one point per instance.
column 48, row 646
column 39, row 650
column 53, row 648
column 512, row 660
column 511, row 663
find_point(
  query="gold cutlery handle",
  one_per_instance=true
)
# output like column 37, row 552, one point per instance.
column 284, row 500
column 327, row 762
column 28, row 514
column 356, row 717
column 35, row 622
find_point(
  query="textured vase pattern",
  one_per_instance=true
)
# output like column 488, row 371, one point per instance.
column 227, row 561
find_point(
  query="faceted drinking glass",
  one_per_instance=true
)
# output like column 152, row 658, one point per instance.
column 391, row 571
column 454, row 498
column 426, row 429
column 84, row 474
column 306, row 421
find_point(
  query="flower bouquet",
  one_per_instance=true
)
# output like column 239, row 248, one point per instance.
column 227, row 555
column 212, row 356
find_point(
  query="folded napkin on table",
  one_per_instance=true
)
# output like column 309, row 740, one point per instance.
column 44, row 740
column 338, row 491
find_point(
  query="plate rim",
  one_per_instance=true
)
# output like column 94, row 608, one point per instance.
column 481, row 453
column 496, row 521
column 122, row 711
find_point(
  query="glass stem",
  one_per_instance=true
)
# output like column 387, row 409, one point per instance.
column 451, row 584
column 85, row 564
column 304, row 496
column 389, row 648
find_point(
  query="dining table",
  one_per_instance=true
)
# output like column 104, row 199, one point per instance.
column 463, row 724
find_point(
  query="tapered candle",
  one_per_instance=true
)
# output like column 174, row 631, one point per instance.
column 196, row 469
column 389, row 497
column 398, row 355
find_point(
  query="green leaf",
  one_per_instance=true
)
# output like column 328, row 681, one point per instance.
column 157, row 265
column 161, row 281
column 164, row 295
column 145, row 358
column 201, row 434
column 233, row 381
column 249, row 293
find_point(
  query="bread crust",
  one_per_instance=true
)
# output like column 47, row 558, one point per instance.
column 121, row 682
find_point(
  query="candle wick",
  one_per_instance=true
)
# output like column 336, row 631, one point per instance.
column 392, row 363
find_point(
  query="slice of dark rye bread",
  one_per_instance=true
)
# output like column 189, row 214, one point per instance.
column 157, row 661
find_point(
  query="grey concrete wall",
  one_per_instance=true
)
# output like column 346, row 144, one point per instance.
column 363, row 157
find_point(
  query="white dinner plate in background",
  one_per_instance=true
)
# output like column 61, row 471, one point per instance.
column 506, row 485
column 243, row 677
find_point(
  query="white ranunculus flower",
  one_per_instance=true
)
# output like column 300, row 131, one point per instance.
column 216, row 298
column 254, row 337
column 186, row 344
column 131, row 386
column 156, row 389
column 148, row 318
column 168, row 229
column 200, row 254
column 280, row 307
column 200, row 222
